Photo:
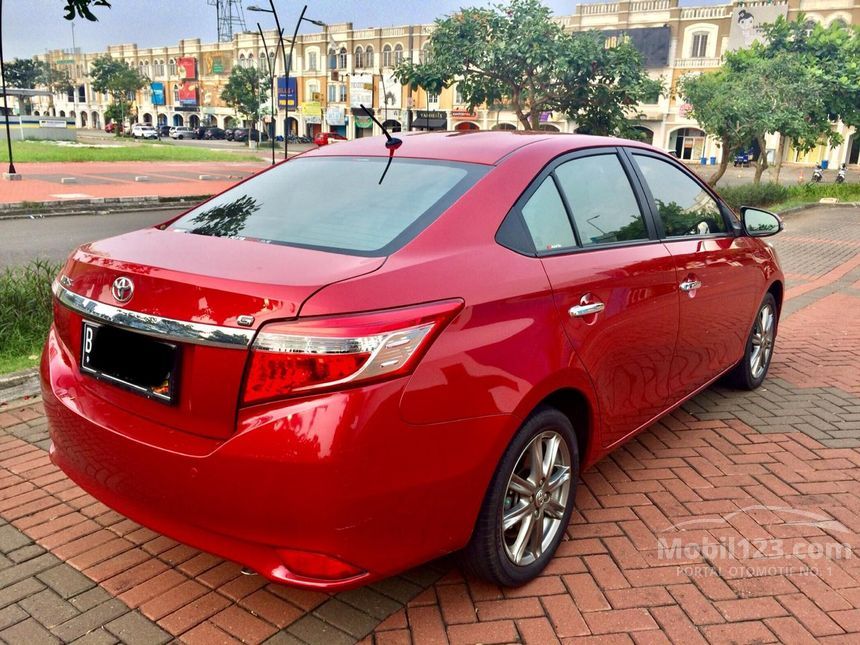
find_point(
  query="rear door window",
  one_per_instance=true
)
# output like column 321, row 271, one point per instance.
column 601, row 200
column 336, row 203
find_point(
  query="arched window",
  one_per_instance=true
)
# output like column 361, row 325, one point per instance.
column 398, row 54
column 368, row 57
column 175, row 94
column 250, row 61
column 342, row 93
column 425, row 53
column 171, row 67
column 332, row 59
column 358, row 58
column 261, row 61
column 341, row 58
column 242, row 62
column 386, row 56
column 311, row 61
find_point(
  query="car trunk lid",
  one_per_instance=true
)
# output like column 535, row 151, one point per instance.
column 212, row 282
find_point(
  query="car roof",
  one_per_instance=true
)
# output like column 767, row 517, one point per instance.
column 484, row 146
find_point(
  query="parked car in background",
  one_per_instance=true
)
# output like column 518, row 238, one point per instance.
column 325, row 138
column 243, row 134
column 332, row 386
column 742, row 159
column 112, row 127
column 143, row 131
column 214, row 133
column 182, row 132
column 163, row 130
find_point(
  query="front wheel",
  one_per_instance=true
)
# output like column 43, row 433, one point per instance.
column 528, row 504
column 750, row 372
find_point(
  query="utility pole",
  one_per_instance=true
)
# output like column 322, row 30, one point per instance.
column 12, row 175
column 74, row 69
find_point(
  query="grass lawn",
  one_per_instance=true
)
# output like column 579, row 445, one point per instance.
column 25, row 313
column 124, row 150
column 780, row 197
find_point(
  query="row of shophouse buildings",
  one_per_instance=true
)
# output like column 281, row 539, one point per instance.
column 337, row 68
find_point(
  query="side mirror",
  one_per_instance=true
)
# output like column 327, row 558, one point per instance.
column 760, row 223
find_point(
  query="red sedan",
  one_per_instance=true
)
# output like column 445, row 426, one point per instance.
column 331, row 386
column 325, row 138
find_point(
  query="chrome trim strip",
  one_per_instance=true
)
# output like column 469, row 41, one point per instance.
column 165, row 328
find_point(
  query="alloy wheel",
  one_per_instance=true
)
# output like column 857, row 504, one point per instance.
column 536, row 498
column 762, row 341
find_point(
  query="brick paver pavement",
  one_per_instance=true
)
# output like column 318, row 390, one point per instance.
column 736, row 519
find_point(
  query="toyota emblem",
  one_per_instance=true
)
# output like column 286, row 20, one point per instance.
column 122, row 289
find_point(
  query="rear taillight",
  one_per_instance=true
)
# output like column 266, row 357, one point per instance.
column 304, row 356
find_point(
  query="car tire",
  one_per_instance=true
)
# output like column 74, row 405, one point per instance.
column 179, row 137
column 752, row 369
column 508, row 557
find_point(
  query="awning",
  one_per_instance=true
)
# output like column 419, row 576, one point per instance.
column 430, row 124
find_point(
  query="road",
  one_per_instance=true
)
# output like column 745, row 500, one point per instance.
column 22, row 240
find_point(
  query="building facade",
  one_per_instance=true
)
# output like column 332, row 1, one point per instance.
column 338, row 68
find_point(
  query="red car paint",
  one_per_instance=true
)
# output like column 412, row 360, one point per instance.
column 336, row 487
column 325, row 138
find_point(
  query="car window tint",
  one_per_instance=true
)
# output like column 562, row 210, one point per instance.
column 546, row 218
column 294, row 203
column 684, row 207
column 601, row 200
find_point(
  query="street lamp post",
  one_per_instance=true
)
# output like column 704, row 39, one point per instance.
column 288, row 59
column 11, row 174
column 271, row 65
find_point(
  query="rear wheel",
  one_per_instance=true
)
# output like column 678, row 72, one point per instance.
column 751, row 371
column 529, row 502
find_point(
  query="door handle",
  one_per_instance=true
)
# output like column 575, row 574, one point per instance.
column 690, row 285
column 586, row 309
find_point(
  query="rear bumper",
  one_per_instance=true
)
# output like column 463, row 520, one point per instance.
column 340, row 475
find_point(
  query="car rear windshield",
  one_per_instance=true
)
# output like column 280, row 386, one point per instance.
column 335, row 203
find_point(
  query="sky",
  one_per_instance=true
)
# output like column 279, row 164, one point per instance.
column 33, row 26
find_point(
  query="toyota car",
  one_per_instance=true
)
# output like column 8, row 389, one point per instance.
column 384, row 351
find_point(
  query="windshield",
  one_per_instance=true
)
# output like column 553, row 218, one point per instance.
column 335, row 203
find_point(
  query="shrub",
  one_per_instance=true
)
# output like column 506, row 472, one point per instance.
column 25, row 308
column 754, row 194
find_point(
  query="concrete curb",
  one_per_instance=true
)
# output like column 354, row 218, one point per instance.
column 24, row 210
column 19, row 384
column 806, row 207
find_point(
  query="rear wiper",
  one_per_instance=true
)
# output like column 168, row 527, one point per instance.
column 391, row 143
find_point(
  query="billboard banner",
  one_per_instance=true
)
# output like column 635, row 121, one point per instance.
column 391, row 91
column 188, row 94
column 652, row 42
column 157, row 90
column 747, row 20
column 361, row 90
column 187, row 68
column 215, row 63
column 287, row 94
column 334, row 115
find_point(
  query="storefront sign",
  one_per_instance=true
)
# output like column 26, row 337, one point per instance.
column 187, row 68
column 363, row 122
column 361, row 90
column 312, row 111
column 287, row 93
column 430, row 119
column 334, row 115
column 157, row 93
column 747, row 21
column 463, row 114
column 188, row 94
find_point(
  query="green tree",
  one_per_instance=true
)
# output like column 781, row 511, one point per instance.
column 118, row 79
column 24, row 72
column 81, row 9
column 517, row 55
column 246, row 92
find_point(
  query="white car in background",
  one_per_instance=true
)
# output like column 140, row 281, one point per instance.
column 143, row 131
column 182, row 132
